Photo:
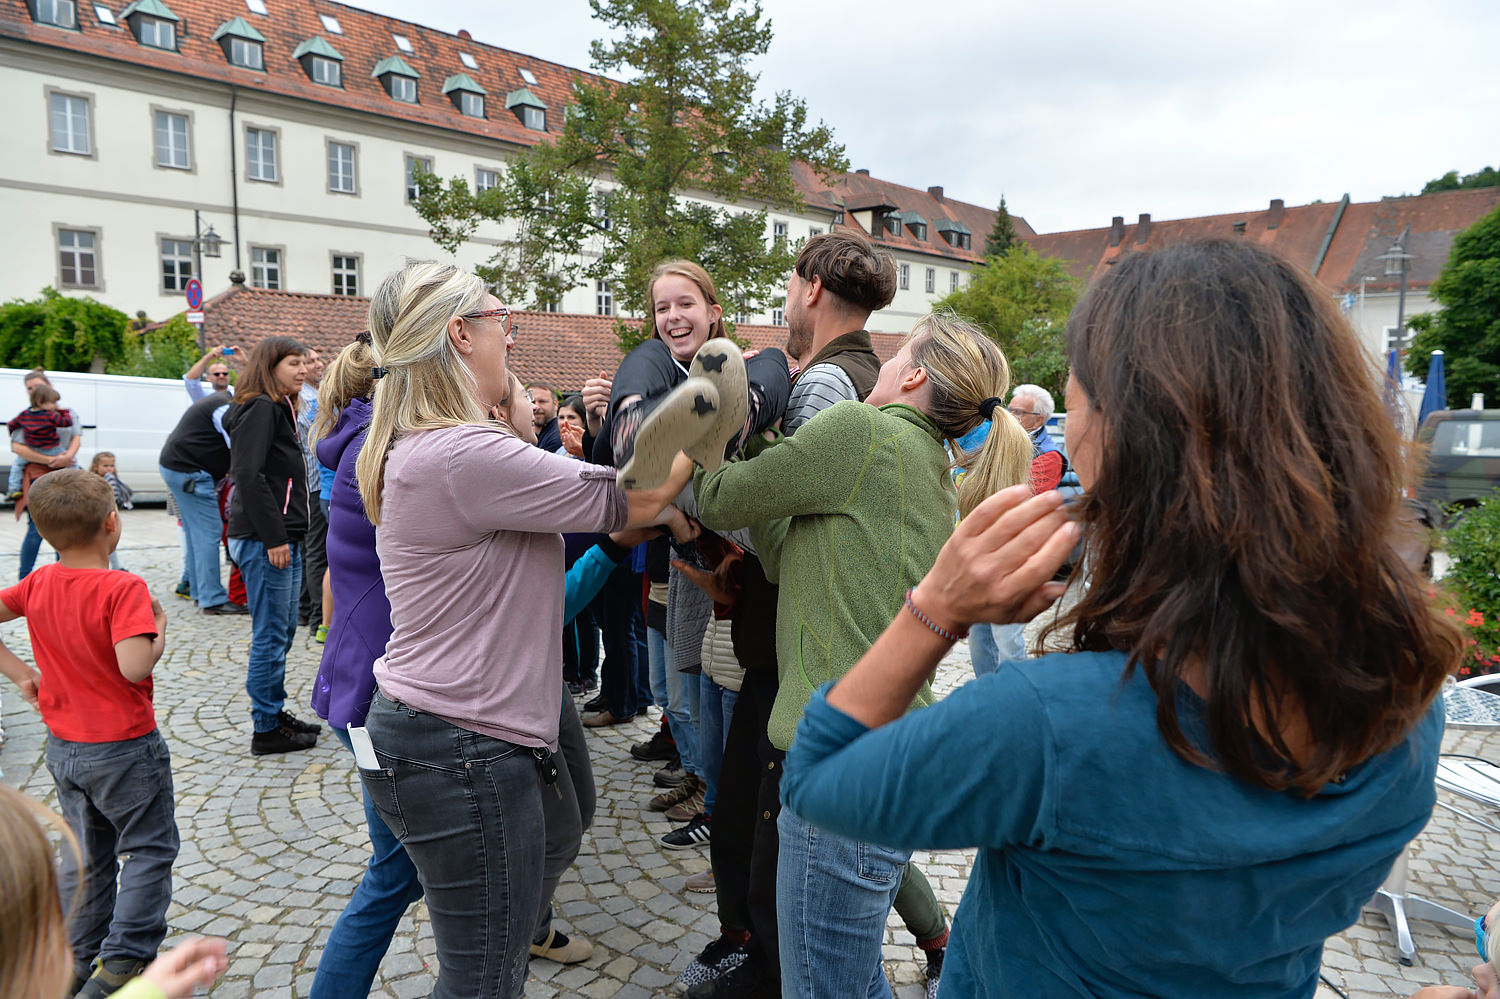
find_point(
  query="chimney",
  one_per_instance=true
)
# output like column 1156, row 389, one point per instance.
column 1143, row 228
column 464, row 34
column 936, row 192
column 1278, row 209
column 1116, row 230
column 863, row 171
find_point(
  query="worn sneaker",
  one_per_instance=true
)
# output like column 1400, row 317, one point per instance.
column 184, row 591
column 719, row 361
column 291, row 721
column 719, row 957
column 281, row 739
column 702, row 882
column 678, row 421
column 671, row 775
column 561, row 949
column 745, row 980
column 684, row 811
column 933, row 971
column 676, row 795
column 110, row 977
column 227, row 609
column 695, row 833
column 659, row 747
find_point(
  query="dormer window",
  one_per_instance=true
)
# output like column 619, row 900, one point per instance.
column 243, row 45
column 531, row 111
column 398, row 79
column 321, row 62
column 153, row 24
column 955, row 234
column 465, row 94
column 61, row 13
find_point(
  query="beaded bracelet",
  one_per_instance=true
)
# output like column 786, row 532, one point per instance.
column 943, row 632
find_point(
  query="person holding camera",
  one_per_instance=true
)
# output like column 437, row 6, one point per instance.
column 193, row 462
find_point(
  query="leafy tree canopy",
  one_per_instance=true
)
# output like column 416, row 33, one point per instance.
column 601, row 200
column 1467, row 327
column 165, row 352
column 1002, row 235
column 60, row 332
column 1451, row 181
column 1022, row 301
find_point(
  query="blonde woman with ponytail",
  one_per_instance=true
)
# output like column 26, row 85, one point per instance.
column 468, row 692
column 848, row 514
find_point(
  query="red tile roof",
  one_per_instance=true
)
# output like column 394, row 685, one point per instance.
column 559, row 348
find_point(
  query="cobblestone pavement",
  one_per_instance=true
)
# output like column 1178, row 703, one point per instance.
column 272, row 846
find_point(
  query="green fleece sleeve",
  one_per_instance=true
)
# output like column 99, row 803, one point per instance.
column 814, row 471
column 139, row 988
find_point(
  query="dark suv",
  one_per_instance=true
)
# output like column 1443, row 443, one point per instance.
column 1463, row 457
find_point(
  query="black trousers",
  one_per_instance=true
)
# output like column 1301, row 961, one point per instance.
column 314, row 564
column 744, row 842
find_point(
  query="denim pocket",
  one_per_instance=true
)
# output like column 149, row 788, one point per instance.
column 380, row 785
column 880, row 864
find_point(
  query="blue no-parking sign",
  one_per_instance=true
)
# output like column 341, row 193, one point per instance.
column 193, row 292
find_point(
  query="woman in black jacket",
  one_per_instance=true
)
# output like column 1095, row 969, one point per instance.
column 267, row 519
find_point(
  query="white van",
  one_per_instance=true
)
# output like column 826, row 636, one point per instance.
column 128, row 416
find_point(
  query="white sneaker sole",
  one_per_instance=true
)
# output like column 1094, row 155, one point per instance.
column 720, row 362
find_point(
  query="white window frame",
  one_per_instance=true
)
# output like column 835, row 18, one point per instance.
column 76, row 138
column 604, row 299
column 266, row 272
column 905, row 277
column 403, row 83
column 953, row 281
column 778, row 235
column 246, row 53
column 534, row 118
column 179, row 157
column 176, row 268
column 255, row 168
column 347, row 266
column 470, row 104
column 479, row 179
column 931, row 280
column 96, row 238
column 54, row 7
column 326, row 72
column 411, row 185
column 163, row 33
column 778, row 316
column 340, row 179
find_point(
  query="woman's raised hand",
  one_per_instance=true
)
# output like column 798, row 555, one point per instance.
column 999, row 564
column 572, row 439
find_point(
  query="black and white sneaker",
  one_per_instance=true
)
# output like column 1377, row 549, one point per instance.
column 720, row 362
column 933, row 972
column 695, row 833
column 676, row 422
column 719, row 957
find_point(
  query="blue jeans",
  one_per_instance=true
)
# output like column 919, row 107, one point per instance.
column 1010, row 641
column 201, row 529
column 982, row 652
column 682, row 712
column 832, row 899
column 715, row 708
column 360, row 938
column 468, row 809
column 656, row 656
column 117, row 799
column 30, row 546
column 272, row 593
column 624, row 677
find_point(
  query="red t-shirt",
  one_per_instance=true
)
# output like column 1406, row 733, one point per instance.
column 75, row 617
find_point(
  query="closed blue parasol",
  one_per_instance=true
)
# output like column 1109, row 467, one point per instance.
column 1392, row 389
column 1436, row 396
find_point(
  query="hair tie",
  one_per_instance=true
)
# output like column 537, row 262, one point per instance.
column 987, row 408
column 379, row 372
column 364, row 338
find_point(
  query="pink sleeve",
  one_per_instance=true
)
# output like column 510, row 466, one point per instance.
column 501, row 483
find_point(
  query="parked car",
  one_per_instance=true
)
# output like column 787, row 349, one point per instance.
column 1463, row 459
column 130, row 417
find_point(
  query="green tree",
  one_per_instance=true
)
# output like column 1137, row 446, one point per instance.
column 1022, row 300
column 600, row 200
column 1451, row 181
column 1002, row 234
column 1467, row 327
column 60, row 332
column 165, row 352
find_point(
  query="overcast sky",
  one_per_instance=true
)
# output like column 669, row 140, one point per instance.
column 1078, row 111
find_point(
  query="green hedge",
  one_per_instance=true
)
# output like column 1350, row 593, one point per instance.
column 1474, row 582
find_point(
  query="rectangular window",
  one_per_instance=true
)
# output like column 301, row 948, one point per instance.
column 485, row 180
column 331, row 23
column 265, row 268
column 403, row 88
column 402, row 43
column 104, row 14
column 931, row 280
column 534, row 118
column 176, row 264
column 953, row 280
column 905, row 277
column 260, row 155
column 341, row 167
column 778, row 316
column 326, row 72
column 256, row 7
column 244, row 52
column 78, row 260
column 70, row 125
column 345, row 274
column 604, row 299
column 158, row 34
column 814, row 230
column 172, row 140
column 412, row 162
column 529, row 77
column 59, row 12
column 778, row 234
column 471, row 104
column 467, row 60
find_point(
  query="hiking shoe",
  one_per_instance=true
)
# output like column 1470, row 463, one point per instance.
column 720, row 362
column 933, row 971
column 684, row 811
column 720, row 956
column 702, row 882
column 678, row 421
column 184, row 591
column 281, row 739
column 291, row 721
column 695, row 833
column 672, row 796
column 659, row 747
column 561, row 949
column 671, row 775
column 110, row 977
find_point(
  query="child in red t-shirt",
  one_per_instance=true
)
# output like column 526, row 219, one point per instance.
column 96, row 634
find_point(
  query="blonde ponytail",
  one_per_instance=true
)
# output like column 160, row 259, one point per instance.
column 965, row 368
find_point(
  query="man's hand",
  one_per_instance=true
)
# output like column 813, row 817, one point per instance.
column 280, row 557
column 60, row 461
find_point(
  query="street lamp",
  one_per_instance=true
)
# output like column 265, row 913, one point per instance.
column 205, row 244
column 1396, row 261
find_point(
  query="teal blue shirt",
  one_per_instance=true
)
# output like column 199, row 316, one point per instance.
column 1108, row 866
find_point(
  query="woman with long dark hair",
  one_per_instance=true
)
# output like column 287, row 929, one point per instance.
column 267, row 521
column 1244, row 734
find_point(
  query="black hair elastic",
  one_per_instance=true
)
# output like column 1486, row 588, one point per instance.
column 364, row 338
column 987, row 408
column 379, row 372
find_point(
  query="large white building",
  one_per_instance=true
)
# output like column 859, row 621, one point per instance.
column 291, row 127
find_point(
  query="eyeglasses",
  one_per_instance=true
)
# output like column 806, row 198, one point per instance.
column 501, row 313
column 1018, row 413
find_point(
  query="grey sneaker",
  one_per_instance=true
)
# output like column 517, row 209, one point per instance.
column 720, row 362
